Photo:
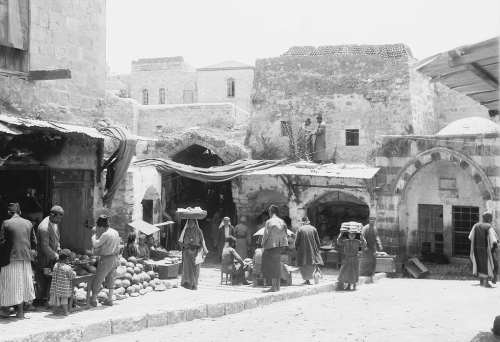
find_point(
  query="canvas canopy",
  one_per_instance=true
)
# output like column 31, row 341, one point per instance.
column 143, row 227
column 212, row 174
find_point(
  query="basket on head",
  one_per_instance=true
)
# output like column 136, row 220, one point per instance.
column 351, row 227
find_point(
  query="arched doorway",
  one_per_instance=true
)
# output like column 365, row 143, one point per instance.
column 329, row 212
column 183, row 192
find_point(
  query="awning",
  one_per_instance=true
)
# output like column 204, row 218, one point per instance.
column 143, row 227
column 9, row 130
column 471, row 70
column 42, row 125
column 212, row 174
column 331, row 172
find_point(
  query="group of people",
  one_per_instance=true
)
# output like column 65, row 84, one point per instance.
column 309, row 148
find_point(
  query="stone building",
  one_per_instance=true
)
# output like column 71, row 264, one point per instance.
column 52, row 72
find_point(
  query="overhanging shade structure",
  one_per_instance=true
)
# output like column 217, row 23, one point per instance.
column 143, row 227
column 213, row 174
column 472, row 70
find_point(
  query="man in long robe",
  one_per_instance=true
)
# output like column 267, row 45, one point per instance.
column 48, row 247
column 319, row 154
column 243, row 238
column 307, row 244
column 305, row 146
column 368, row 254
column 484, row 242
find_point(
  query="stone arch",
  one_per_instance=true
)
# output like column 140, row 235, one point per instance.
column 345, row 196
column 404, row 176
column 226, row 151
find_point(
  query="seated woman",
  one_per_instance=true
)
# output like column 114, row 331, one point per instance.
column 230, row 259
column 130, row 249
column 142, row 248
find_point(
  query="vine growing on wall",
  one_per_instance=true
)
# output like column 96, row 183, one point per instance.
column 396, row 147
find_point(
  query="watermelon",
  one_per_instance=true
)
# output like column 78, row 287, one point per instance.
column 130, row 264
column 140, row 286
column 158, row 281
column 125, row 283
column 137, row 287
column 93, row 262
column 78, row 256
column 130, row 271
column 142, row 292
column 85, row 257
column 132, row 260
column 149, row 289
column 130, row 290
column 137, row 270
column 102, row 296
column 146, row 277
column 73, row 256
column 105, row 290
column 160, row 288
column 151, row 274
column 82, row 285
column 90, row 269
column 145, row 284
column 135, row 279
column 87, row 252
column 123, row 261
column 135, row 294
column 152, row 284
column 141, row 266
column 81, row 296
column 118, row 283
column 128, row 277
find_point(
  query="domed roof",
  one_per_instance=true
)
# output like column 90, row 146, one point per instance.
column 474, row 125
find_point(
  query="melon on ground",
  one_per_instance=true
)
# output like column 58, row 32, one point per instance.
column 125, row 283
column 132, row 260
column 78, row 256
column 118, row 283
column 149, row 289
column 130, row 264
column 136, row 279
column 158, row 281
column 128, row 276
column 130, row 271
column 145, row 284
column 137, row 270
column 130, row 290
column 151, row 274
column 141, row 266
column 143, row 292
column 105, row 290
column 152, row 284
column 136, row 287
column 92, row 262
column 147, row 277
column 73, row 256
column 85, row 257
column 102, row 296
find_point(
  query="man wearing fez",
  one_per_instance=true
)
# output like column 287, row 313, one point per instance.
column 48, row 246
column 106, row 244
column 17, row 244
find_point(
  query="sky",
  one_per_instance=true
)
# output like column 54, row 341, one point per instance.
column 207, row 32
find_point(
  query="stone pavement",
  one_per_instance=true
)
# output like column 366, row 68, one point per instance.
column 158, row 309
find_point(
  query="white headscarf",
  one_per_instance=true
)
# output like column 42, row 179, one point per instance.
column 181, row 238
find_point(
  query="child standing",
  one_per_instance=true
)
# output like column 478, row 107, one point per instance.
column 61, row 289
column 349, row 271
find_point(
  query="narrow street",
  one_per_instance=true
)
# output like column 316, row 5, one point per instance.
column 390, row 310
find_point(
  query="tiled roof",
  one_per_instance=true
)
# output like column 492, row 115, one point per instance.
column 384, row 51
column 227, row 65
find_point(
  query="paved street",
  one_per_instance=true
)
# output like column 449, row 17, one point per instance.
column 390, row 310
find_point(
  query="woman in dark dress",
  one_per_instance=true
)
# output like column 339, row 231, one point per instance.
column 191, row 240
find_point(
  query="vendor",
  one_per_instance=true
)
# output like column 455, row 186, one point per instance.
column 230, row 259
column 142, row 248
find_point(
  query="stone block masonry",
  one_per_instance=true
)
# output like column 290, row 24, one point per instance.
column 63, row 35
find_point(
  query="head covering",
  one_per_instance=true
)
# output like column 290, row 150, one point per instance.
column 66, row 252
column 496, row 327
column 14, row 207
column 243, row 219
column 226, row 219
column 102, row 221
column 305, row 220
column 57, row 210
column 487, row 212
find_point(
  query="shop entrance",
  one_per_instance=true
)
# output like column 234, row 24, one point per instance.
column 183, row 192
column 329, row 212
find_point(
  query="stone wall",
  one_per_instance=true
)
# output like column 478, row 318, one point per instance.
column 171, row 73
column 368, row 93
column 212, row 87
column 122, row 110
column 172, row 118
column 63, row 35
column 452, row 105
column 410, row 174
column 423, row 104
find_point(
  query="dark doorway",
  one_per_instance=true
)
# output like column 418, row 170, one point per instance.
column 147, row 211
column 430, row 227
column 183, row 192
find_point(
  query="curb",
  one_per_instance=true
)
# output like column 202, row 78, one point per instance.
column 128, row 323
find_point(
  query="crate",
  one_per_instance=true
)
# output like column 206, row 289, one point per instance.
column 387, row 265
column 333, row 256
column 166, row 271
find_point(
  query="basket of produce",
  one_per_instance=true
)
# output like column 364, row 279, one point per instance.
column 191, row 213
column 351, row 227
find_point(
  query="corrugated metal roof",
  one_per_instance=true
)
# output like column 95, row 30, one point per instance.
column 9, row 130
column 227, row 65
column 331, row 172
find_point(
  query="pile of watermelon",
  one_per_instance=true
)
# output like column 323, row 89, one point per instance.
column 87, row 261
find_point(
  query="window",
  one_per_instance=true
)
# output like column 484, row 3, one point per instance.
column 286, row 128
column 230, row 87
column 430, row 227
column 14, row 39
column 190, row 93
column 352, row 137
column 161, row 96
column 463, row 220
column 159, row 128
column 145, row 96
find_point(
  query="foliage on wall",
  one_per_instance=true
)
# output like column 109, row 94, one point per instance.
column 396, row 147
column 268, row 148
